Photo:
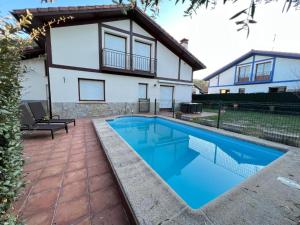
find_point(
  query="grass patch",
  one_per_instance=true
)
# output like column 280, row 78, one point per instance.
column 256, row 123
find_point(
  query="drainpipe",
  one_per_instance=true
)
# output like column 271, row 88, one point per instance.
column 49, row 88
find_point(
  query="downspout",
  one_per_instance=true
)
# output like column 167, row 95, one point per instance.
column 49, row 88
column 48, row 62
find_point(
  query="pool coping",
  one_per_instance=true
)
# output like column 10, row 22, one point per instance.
column 261, row 199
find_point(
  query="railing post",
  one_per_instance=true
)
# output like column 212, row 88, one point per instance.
column 219, row 115
column 139, row 105
column 155, row 107
column 173, row 107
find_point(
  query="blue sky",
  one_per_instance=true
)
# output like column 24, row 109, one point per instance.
column 212, row 36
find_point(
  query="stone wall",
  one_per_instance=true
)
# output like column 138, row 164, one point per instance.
column 81, row 110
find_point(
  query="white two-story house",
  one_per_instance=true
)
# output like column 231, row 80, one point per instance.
column 257, row 71
column 103, row 61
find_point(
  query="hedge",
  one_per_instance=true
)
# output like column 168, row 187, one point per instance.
column 286, row 97
column 11, row 161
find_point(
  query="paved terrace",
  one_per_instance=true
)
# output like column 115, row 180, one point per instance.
column 68, row 180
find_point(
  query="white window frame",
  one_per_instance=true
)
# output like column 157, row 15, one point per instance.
column 244, row 75
column 264, row 73
column 91, row 80
column 137, row 57
column 110, row 61
column 146, row 86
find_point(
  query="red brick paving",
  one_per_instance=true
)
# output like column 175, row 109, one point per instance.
column 68, row 180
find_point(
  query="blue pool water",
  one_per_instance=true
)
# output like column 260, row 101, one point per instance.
column 198, row 165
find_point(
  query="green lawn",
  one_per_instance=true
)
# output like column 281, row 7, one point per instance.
column 255, row 123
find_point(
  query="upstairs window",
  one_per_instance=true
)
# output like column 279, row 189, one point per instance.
column 142, row 56
column 263, row 71
column 244, row 73
column 91, row 90
column 114, row 52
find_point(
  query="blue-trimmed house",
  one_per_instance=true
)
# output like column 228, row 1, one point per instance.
column 257, row 71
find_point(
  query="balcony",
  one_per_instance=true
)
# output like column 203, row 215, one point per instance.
column 243, row 79
column 125, row 63
column 263, row 77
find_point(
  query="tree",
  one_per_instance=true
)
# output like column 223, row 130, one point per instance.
column 201, row 84
column 243, row 18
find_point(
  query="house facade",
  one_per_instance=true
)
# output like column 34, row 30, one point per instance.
column 103, row 61
column 257, row 71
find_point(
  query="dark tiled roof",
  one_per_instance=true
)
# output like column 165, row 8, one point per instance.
column 41, row 15
column 32, row 52
column 251, row 53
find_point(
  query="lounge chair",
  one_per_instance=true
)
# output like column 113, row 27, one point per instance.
column 28, row 123
column 40, row 114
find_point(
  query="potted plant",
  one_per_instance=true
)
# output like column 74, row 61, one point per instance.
column 178, row 115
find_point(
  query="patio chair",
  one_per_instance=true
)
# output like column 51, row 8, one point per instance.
column 28, row 123
column 40, row 114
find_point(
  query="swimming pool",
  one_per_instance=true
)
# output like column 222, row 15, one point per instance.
column 199, row 165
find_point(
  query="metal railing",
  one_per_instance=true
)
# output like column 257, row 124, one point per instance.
column 144, row 105
column 274, row 122
column 122, row 60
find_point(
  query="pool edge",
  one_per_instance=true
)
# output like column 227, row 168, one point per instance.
column 202, row 213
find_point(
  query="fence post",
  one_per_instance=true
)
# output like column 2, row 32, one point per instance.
column 139, row 105
column 155, row 107
column 173, row 107
column 219, row 115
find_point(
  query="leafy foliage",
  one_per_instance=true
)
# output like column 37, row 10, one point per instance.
column 11, row 162
column 11, row 47
column 244, row 18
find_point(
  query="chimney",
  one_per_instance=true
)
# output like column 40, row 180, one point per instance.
column 184, row 42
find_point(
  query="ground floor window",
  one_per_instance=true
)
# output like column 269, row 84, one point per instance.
column 242, row 90
column 91, row 90
column 143, row 89
column 224, row 91
column 277, row 89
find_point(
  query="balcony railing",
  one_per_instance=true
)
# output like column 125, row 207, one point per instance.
column 263, row 77
column 243, row 79
column 130, row 63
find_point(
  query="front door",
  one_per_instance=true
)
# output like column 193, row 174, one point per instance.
column 166, row 97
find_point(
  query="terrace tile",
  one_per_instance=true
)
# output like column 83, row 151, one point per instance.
column 69, row 212
column 68, row 180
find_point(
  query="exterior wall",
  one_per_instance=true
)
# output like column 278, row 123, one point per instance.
column 121, row 93
column 214, row 81
column 287, row 69
column 139, row 30
column 183, row 93
column 76, row 46
column 248, row 60
column 186, row 71
column 75, row 54
column 118, row 88
column 227, row 77
column 285, row 72
column 256, row 88
column 167, row 63
column 122, row 24
column 34, row 80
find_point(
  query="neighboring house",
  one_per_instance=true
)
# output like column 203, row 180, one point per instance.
column 103, row 61
column 257, row 71
column 197, row 90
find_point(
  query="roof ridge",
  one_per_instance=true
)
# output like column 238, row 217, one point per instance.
column 249, row 54
column 70, row 8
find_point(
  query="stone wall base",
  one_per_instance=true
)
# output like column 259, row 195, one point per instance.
column 81, row 110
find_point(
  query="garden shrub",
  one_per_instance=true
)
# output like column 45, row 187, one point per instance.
column 11, row 162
